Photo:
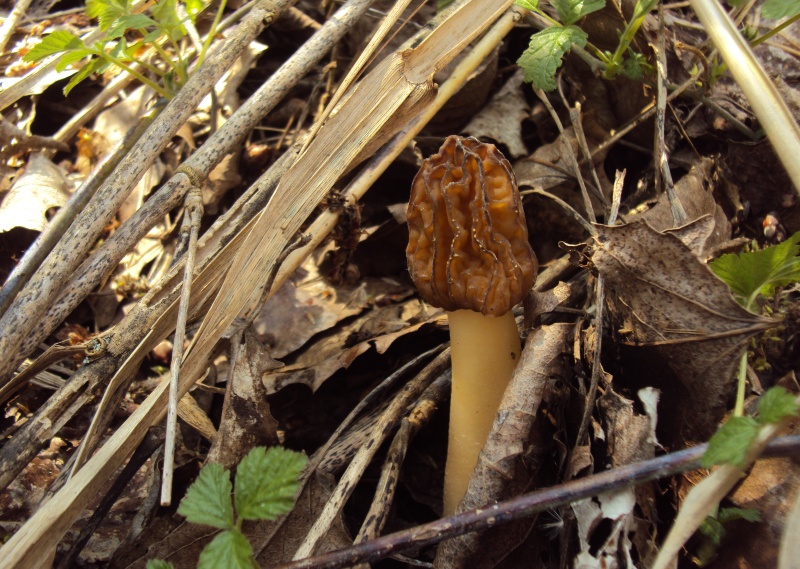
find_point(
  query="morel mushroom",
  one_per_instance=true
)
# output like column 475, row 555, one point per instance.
column 468, row 253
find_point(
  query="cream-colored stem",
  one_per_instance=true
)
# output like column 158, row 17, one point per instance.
column 484, row 353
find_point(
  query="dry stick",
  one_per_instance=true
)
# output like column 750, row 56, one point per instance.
column 525, row 506
column 55, row 229
column 662, row 172
column 30, row 306
column 192, row 216
column 420, row 415
column 577, row 125
column 360, row 461
column 10, row 24
column 566, row 146
column 224, row 141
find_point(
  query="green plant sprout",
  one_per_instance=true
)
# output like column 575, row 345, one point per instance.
column 756, row 274
column 131, row 38
column 774, row 10
column 547, row 47
column 713, row 531
column 265, row 488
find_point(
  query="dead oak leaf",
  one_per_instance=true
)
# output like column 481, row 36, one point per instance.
column 667, row 302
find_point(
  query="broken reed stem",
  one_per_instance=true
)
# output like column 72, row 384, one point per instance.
column 192, row 216
column 525, row 506
column 26, row 313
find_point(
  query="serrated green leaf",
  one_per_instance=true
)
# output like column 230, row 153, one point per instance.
column 532, row 5
column 759, row 272
column 570, row 11
column 55, row 42
column 229, row 550
column 159, row 564
column 775, row 405
column 726, row 515
column 107, row 11
column 70, row 58
column 545, row 52
column 635, row 65
column 777, row 9
column 166, row 14
column 82, row 74
column 729, row 444
column 266, row 482
column 208, row 500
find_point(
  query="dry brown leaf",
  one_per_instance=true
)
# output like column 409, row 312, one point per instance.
column 378, row 327
column 501, row 120
column 695, row 192
column 670, row 305
column 42, row 187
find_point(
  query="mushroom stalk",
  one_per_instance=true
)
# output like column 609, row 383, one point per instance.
column 484, row 353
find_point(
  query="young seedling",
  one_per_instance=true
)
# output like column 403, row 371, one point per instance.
column 265, row 488
column 468, row 253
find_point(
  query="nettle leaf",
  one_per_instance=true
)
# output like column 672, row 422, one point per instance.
column 777, row 9
column 229, row 550
column 729, row 445
column 166, row 14
column 775, row 405
column 208, row 500
column 545, row 53
column 532, row 5
column 55, row 42
column 266, row 482
column 159, row 564
column 570, row 11
column 759, row 272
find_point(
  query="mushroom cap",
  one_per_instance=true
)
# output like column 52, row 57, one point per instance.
column 468, row 241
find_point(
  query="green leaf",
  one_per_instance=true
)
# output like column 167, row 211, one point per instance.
column 726, row 515
column 729, row 445
column 229, row 550
column 777, row 9
column 107, row 11
column 570, row 11
column 713, row 530
column 545, row 53
column 532, row 5
column 84, row 72
column 208, row 500
column 759, row 272
column 159, row 564
column 776, row 405
column 56, row 42
column 193, row 8
column 71, row 57
column 635, row 66
column 266, row 482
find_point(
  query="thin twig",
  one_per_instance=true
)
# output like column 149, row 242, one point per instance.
column 525, row 506
column 192, row 216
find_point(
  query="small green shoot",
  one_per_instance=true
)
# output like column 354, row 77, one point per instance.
column 128, row 35
column 264, row 489
column 754, row 274
column 757, row 273
column 713, row 531
column 730, row 443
